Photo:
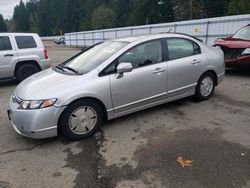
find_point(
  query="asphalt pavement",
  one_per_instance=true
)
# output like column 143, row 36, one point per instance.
column 140, row 150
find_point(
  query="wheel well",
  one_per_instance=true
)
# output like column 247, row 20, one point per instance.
column 98, row 102
column 215, row 76
column 20, row 63
column 104, row 109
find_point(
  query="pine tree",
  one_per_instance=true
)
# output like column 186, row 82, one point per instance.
column 3, row 26
column 103, row 17
column 51, row 17
column 215, row 8
column 156, row 11
column 21, row 18
column 123, row 9
column 239, row 7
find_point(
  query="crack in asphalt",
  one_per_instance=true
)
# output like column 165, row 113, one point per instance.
column 28, row 148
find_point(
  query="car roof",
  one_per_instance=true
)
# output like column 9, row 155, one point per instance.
column 15, row 34
column 154, row 36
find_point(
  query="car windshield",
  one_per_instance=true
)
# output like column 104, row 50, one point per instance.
column 244, row 33
column 92, row 58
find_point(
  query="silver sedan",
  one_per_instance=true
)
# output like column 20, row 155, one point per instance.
column 112, row 79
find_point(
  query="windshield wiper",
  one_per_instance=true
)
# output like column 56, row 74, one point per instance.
column 68, row 68
column 60, row 68
column 73, row 70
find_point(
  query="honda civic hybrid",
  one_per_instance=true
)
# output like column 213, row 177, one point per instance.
column 112, row 79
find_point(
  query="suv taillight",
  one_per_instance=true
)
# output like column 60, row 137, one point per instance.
column 46, row 54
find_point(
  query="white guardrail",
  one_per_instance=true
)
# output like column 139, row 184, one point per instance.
column 207, row 30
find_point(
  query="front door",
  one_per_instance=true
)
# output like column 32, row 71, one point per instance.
column 146, row 83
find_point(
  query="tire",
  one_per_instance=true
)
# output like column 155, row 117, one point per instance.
column 77, row 121
column 209, row 79
column 26, row 70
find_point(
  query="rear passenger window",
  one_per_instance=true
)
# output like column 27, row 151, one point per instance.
column 5, row 44
column 24, row 42
column 180, row 48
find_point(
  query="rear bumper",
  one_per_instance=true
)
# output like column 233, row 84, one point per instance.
column 45, row 64
column 220, row 78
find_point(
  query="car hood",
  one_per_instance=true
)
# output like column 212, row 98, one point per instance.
column 44, row 85
column 233, row 43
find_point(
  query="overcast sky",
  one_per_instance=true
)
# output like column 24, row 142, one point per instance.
column 7, row 7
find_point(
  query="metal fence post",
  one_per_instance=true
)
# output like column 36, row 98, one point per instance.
column 175, row 25
column 150, row 29
column 116, row 33
column 70, row 40
column 84, row 42
column 76, row 40
column 206, row 40
column 93, row 38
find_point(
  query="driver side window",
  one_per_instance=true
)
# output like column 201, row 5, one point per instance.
column 144, row 54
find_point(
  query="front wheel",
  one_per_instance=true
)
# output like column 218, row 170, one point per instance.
column 205, row 86
column 81, row 119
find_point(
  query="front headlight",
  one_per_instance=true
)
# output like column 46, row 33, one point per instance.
column 246, row 51
column 36, row 104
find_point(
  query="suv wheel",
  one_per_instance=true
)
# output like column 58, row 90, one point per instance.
column 81, row 119
column 26, row 70
column 205, row 86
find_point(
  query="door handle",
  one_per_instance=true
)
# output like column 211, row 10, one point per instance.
column 158, row 70
column 8, row 55
column 195, row 62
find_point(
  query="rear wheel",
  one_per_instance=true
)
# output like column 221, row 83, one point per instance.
column 26, row 70
column 205, row 86
column 81, row 119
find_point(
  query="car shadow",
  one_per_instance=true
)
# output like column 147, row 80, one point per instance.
column 155, row 110
column 238, row 72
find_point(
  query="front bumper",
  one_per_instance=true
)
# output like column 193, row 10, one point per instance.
column 240, row 62
column 37, row 124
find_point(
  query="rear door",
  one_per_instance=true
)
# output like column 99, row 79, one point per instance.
column 7, row 56
column 184, row 63
column 27, row 45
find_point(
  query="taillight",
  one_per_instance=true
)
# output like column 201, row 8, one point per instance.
column 46, row 54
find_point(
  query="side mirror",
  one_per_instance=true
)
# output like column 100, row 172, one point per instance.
column 124, row 67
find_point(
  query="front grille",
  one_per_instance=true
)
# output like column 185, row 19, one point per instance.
column 16, row 99
column 232, row 53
